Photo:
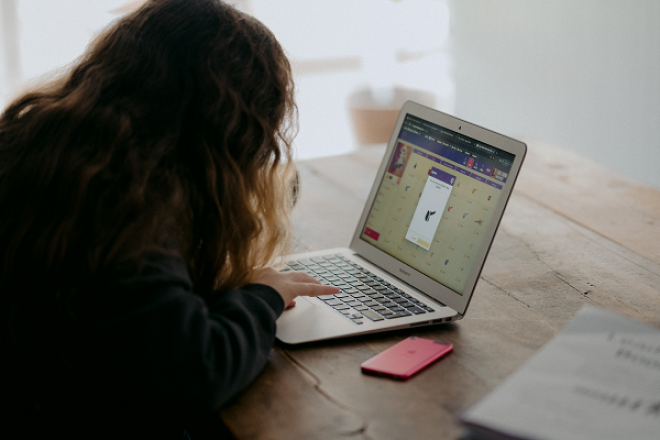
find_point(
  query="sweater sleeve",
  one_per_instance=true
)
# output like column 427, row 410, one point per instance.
column 159, row 342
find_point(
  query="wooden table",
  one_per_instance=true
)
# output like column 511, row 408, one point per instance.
column 574, row 233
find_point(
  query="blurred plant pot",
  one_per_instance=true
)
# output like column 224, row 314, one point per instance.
column 374, row 111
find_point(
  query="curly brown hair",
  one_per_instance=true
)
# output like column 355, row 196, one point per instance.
column 172, row 131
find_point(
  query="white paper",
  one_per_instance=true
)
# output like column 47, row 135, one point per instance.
column 598, row 379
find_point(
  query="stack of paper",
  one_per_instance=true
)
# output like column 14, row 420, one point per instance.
column 598, row 379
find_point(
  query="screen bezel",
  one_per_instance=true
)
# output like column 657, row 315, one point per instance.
column 402, row 271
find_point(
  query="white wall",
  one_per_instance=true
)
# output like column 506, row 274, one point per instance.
column 54, row 33
column 327, row 41
column 10, row 71
column 582, row 74
column 47, row 34
column 339, row 46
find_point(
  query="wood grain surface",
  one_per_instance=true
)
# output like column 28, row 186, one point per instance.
column 617, row 207
column 573, row 234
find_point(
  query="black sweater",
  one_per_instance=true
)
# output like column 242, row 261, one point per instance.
column 146, row 361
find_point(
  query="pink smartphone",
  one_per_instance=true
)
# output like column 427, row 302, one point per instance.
column 406, row 358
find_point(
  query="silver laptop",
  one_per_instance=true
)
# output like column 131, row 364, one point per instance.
column 424, row 233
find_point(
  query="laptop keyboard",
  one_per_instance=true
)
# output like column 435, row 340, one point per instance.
column 363, row 294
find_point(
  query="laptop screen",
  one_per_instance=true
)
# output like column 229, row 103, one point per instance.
column 435, row 200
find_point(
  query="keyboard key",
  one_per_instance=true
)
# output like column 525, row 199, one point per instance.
column 326, row 297
column 341, row 307
column 333, row 302
column 416, row 310
column 372, row 315
column 398, row 315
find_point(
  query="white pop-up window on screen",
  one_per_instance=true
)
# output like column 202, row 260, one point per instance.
column 430, row 207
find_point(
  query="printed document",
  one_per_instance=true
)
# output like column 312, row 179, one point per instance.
column 598, row 379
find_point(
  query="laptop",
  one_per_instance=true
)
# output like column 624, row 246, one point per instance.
column 423, row 237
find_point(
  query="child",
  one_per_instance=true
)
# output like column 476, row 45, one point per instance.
column 144, row 196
